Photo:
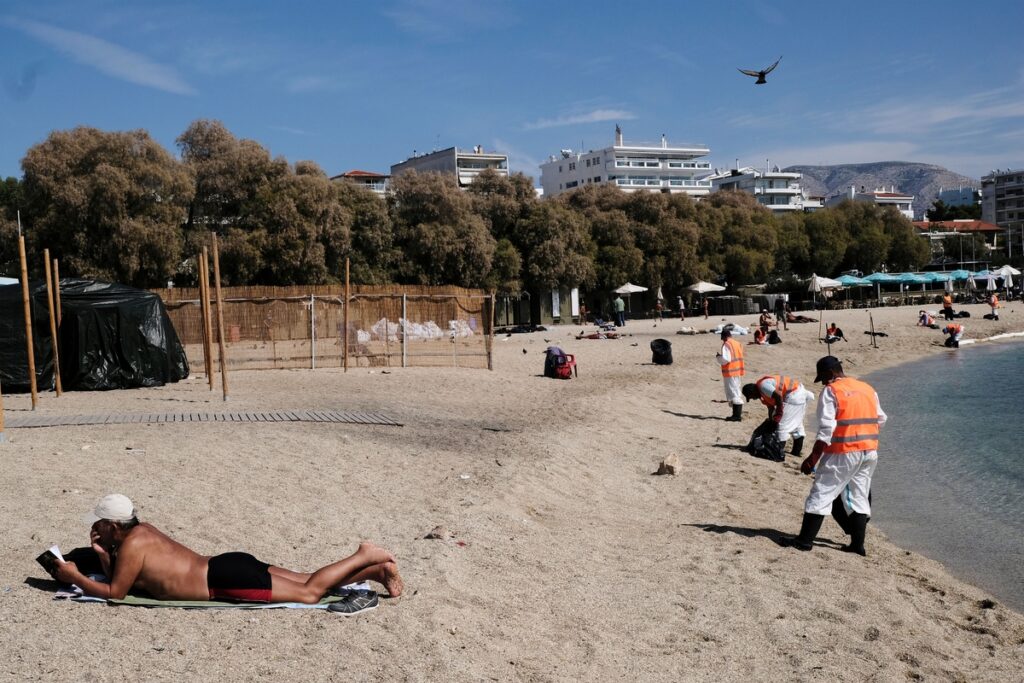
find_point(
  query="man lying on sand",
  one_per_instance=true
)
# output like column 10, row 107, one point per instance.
column 143, row 558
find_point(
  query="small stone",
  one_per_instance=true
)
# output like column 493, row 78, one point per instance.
column 986, row 603
column 872, row 634
column 670, row 465
column 438, row 532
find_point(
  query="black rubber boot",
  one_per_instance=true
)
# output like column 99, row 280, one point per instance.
column 839, row 514
column 737, row 413
column 809, row 529
column 858, row 529
column 798, row 445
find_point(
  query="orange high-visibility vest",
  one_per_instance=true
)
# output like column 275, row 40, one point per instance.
column 856, row 417
column 995, row 301
column 955, row 329
column 947, row 301
column 733, row 368
column 783, row 385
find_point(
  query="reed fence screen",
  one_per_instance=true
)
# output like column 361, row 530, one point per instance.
column 303, row 327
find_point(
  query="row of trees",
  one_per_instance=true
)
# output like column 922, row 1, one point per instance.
column 118, row 206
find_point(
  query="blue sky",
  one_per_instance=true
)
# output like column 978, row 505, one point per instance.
column 360, row 85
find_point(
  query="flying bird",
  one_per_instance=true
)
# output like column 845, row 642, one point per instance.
column 759, row 75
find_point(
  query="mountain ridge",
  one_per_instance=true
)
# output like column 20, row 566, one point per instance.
column 923, row 181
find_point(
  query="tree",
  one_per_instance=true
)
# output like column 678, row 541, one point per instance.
column 828, row 241
column 108, row 205
column 738, row 236
column 371, row 243
column 555, row 247
column 940, row 211
column 441, row 239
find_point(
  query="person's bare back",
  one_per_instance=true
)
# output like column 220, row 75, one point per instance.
column 169, row 570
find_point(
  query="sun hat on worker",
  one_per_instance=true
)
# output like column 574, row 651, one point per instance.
column 114, row 507
column 825, row 365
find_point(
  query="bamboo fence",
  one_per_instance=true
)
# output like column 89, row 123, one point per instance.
column 303, row 327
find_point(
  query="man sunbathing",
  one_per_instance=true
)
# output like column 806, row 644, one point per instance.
column 144, row 558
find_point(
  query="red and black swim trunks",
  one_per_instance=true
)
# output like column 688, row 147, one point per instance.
column 238, row 576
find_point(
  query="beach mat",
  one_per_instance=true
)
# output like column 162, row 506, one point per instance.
column 135, row 601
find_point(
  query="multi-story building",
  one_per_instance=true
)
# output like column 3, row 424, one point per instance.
column 960, row 196
column 376, row 182
column 630, row 167
column 904, row 203
column 937, row 230
column 1002, row 203
column 465, row 165
column 777, row 190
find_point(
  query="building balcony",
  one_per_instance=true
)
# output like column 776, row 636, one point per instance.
column 653, row 163
column 792, row 191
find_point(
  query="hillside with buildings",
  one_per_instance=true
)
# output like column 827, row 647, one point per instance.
column 923, row 181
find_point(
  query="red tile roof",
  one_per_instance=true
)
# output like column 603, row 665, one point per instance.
column 957, row 226
column 892, row 194
column 362, row 174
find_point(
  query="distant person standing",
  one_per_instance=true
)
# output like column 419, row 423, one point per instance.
column 704, row 304
column 947, row 306
column 780, row 313
column 993, row 302
column 844, row 456
column 731, row 360
column 955, row 332
column 620, row 310
column 659, row 309
column 682, row 307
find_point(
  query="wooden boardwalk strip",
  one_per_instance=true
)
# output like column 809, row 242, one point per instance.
column 333, row 416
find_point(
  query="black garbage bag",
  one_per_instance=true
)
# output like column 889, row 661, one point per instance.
column 661, row 350
column 763, row 443
column 111, row 337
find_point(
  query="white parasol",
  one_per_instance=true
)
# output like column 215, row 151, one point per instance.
column 990, row 283
column 971, row 284
column 630, row 288
column 705, row 287
column 818, row 284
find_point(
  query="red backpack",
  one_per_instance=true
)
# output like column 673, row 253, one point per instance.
column 558, row 364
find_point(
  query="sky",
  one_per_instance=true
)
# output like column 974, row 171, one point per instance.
column 364, row 85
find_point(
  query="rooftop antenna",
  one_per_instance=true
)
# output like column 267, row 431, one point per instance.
column 437, row 142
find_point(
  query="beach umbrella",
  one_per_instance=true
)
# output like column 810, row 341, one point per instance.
column 1007, row 283
column 702, row 287
column 938, row 277
column 960, row 274
column 990, row 283
column 1008, row 270
column 949, row 286
column 853, row 281
column 818, row 283
column 630, row 288
column 661, row 297
column 971, row 284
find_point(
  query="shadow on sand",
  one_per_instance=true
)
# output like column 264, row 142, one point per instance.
column 693, row 417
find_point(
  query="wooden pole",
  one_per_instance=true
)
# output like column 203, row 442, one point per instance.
column 28, row 322
column 53, row 322
column 3, row 437
column 220, row 319
column 204, row 296
column 345, row 321
column 490, row 332
column 56, row 289
column 874, row 339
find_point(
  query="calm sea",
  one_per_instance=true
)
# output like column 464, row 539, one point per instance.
column 950, row 477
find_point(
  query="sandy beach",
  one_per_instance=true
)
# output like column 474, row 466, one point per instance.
column 567, row 559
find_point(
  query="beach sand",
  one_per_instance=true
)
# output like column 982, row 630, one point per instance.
column 568, row 560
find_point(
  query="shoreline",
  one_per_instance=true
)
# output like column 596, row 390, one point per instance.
column 561, row 539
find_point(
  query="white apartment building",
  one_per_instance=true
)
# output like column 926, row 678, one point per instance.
column 959, row 196
column 777, row 190
column 1002, row 203
column 375, row 182
column 465, row 165
column 904, row 203
column 631, row 167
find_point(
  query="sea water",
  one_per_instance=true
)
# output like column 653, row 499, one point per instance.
column 950, row 477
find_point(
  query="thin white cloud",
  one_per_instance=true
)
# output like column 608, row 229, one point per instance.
column 518, row 160
column 290, row 130
column 447, row 19
column 303, row 84
column 854, row 152
column 596, row 116
column 104, row 56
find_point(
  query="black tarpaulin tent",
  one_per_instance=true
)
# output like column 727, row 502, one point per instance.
column 111, row 337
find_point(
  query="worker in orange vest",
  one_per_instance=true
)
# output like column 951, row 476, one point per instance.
column 787, row 401
column 955, row 332
column 993, row 302
column 731, row 360
column 844, row 457
column 947, row 306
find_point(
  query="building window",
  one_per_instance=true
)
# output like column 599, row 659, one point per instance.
column 559, row 169
column 588, row 163
column 597, row 179
column 572, row 166
column 571, row 185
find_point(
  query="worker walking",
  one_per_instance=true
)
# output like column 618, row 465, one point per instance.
column 844, row 456
column 731, row 360
column 787, row 401
column 955, row 332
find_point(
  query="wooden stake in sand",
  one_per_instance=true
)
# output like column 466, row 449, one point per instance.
column 3, row 437
column 53, row 322
column 345, row 321
column 874, row 339
column 28, row 322
column 56, row 289
column 204, row 311
column 220, row 319
column 490, row 332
